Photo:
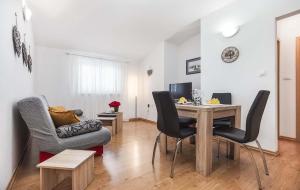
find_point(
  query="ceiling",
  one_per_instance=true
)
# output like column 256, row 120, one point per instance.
column 123, row 28
column 185, row 33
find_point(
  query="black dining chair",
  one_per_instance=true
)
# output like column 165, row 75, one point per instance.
column 242, row 137
column 170, row 124
column 224, row 98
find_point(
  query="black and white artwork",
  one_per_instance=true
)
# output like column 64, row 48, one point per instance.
column 193, row 66
column 29, row 61
column 24, row 54
column 20, row 47
column 16, row 38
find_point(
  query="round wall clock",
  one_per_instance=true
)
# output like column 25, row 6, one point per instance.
column 230, row 54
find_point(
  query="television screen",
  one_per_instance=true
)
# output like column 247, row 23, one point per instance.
column 181, row 90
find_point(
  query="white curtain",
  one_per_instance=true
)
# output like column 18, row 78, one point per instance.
column 95, row 83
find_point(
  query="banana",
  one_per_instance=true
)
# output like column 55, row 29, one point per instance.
column 182, row 100
column 214, row 101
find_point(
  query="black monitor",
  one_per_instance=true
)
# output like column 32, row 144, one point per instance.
column 181, row 90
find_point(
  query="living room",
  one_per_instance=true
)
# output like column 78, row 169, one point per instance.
column 83, row 81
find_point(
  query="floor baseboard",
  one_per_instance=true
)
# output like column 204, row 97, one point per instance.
column 272, row 153
column 12, row 179
column 142, row 119
column 287, row 138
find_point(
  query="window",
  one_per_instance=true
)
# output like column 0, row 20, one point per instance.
column 101, row 77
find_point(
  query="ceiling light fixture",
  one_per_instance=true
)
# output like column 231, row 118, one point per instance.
column 230, row 31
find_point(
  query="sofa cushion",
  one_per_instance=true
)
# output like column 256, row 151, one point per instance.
column 78, row 112
column 83, row 127
column 57, row 108
column 61, row 118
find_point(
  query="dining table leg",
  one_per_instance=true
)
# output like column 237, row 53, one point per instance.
column 204, row 142
column 234, row 148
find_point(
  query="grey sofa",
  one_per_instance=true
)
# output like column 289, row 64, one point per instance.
column 34, row 111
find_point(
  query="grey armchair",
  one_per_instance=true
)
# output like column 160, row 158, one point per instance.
column 34, row 111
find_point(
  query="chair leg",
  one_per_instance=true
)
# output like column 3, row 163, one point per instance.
column 254, row 166
column 181, row 147
column 263, row 158
column 174, row 158
column 154, row 149
column 218, row 139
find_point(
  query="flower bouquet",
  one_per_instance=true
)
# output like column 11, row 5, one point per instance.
column 115, row 105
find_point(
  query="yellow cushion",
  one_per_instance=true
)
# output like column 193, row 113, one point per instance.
column 57, row 108
column 61, row 118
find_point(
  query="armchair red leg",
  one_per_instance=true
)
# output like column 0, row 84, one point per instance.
column 45, row 156
column 98, row 149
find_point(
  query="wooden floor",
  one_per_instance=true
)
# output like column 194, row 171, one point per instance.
column 126, row 165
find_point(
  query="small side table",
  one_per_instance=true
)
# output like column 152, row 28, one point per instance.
column 77, row 164
column 110, row 121
column 104, row 117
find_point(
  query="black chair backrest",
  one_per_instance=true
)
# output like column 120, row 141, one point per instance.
column 225, row 98
column 255, row 115
column 167, row 116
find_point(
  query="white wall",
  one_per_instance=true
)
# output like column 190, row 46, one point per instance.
column 50, row 76
column 53, row 79
column 257, row 44
column 170, row 64
column 287, row 31
column 147, row 84
column 15, row 83
column 175, row 61
column 189, row 49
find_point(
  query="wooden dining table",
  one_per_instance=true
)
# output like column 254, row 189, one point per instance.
column 205, row 115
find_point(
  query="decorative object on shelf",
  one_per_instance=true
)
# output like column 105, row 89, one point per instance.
column 24, row 51
column 197, row 97
column 16, row 38
column 230, row 54
column 115, row 105
column 29, row 62
column 193, row 66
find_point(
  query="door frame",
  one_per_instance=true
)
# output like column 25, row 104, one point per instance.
column 298, row 89
column 278, row 88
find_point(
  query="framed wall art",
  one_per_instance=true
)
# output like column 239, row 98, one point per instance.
column 193, row 66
